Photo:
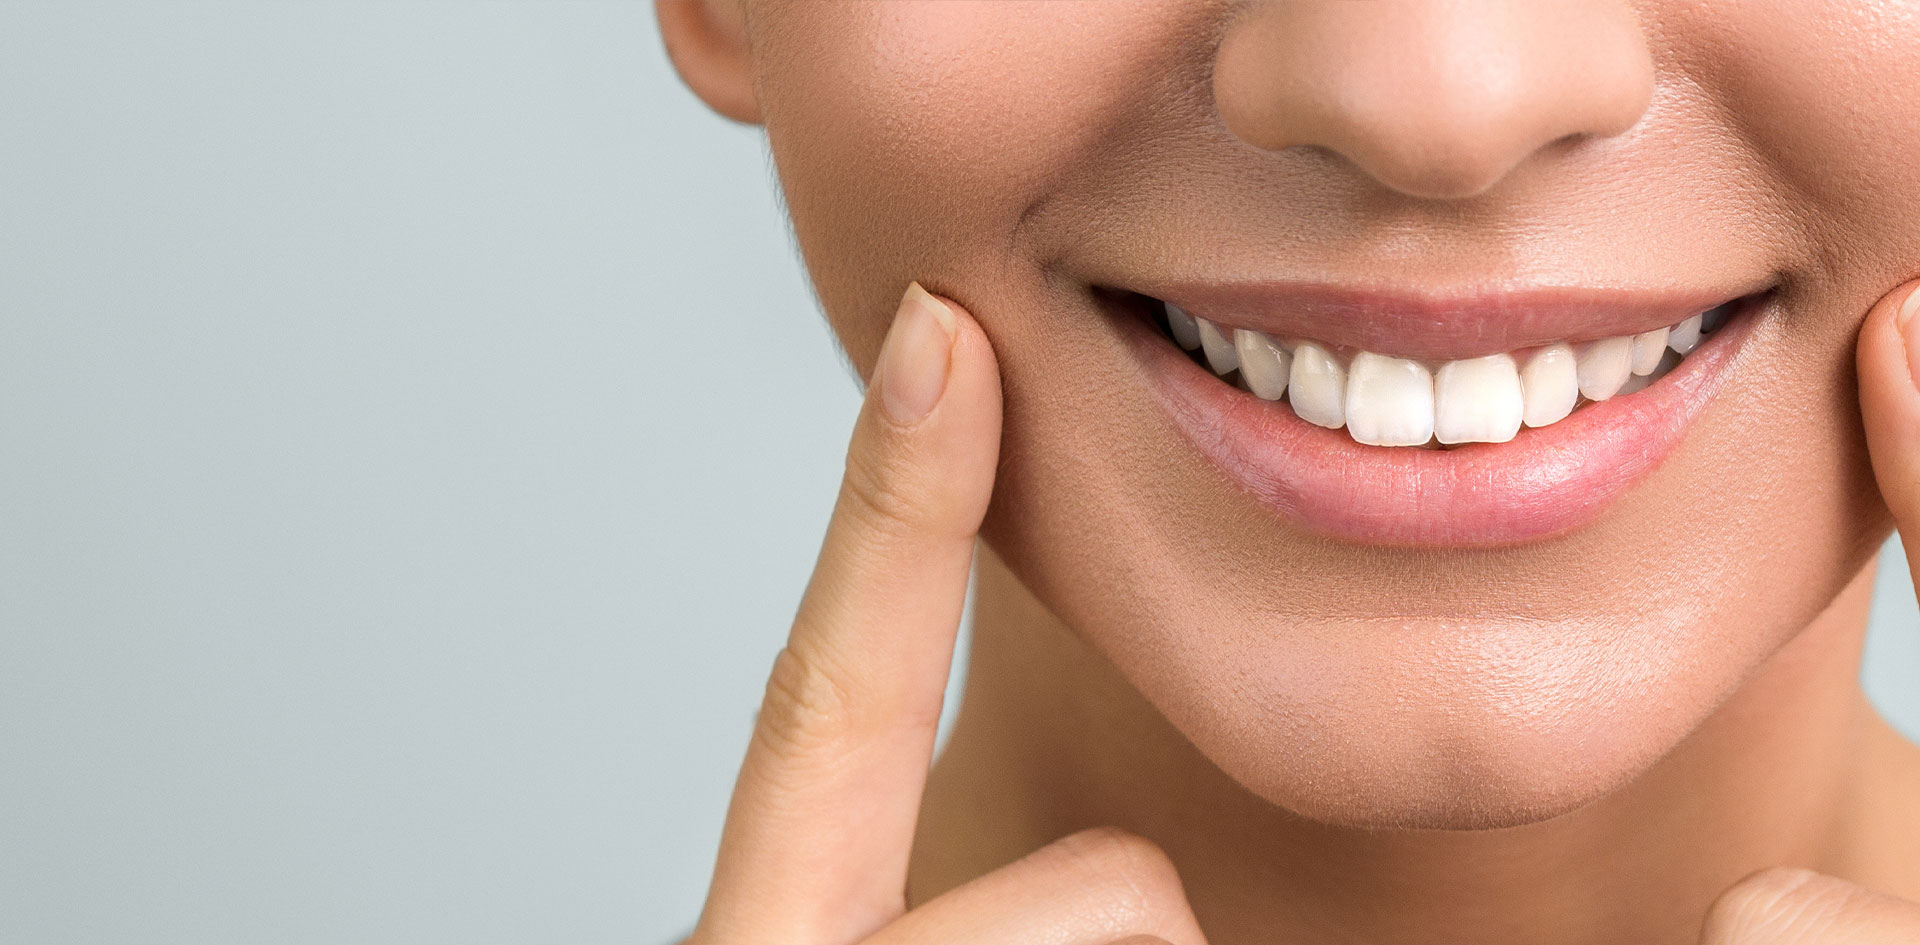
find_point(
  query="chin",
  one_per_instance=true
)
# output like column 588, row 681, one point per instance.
column 1472, row 751
column 1389, row 688
column 1436, row 724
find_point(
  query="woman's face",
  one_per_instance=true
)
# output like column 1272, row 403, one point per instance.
column 1488, row 635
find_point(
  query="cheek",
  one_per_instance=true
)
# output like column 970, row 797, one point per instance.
column 919, row 141
column 914, row 138
column 1829, row 94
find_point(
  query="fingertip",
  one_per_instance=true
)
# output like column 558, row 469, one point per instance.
column 1907, row 330
column 975, row 368
column 970, row 340
column 1889, row 345
column 931, row 339
column 970, row 418
column 916, row 358
column 927, row 446
column 1885, row 358
column 943, row 310
column 1911, row 300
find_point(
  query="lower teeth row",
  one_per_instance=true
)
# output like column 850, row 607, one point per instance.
column 1388, row 401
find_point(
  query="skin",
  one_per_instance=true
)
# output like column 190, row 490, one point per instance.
column 1597, row 738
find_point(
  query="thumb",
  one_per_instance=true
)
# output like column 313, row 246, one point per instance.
column 1786, row 906
column 1888, row 359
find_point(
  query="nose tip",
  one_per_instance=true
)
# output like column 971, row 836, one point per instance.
column 1438, row 99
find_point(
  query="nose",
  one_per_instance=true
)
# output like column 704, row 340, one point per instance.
column 1437, row 99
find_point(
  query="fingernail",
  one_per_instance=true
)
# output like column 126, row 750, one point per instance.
column 1903, row 320
column 915, row 356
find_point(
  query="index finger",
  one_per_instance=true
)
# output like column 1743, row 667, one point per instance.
column 821, row 823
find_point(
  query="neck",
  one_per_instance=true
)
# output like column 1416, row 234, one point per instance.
column 1051, row 740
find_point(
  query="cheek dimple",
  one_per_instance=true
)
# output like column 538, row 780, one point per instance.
column 1825, row 95
column 913, row 139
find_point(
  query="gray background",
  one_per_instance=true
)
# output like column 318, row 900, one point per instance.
column 415, row 430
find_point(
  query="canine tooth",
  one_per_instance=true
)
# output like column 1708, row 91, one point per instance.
column 1318, row 386
column 1219, row 348
column 1648, row 346
column 1604, row 366
column 1477, row 400
column 1549, row 385
column 1263, row 364
column 1186, row 333
column 1668, row 361
column 1389, row 401
column 1685, row 336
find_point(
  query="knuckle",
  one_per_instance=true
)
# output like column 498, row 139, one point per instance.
column 1138, row 876
column 806, row 706
column 883, row 495
column 1776, row 905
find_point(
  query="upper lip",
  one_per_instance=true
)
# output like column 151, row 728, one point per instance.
column 1430, row 326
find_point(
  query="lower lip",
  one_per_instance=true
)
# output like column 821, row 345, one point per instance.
column 1542, row 483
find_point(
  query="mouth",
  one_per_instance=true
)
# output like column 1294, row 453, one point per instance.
column 1404, row 420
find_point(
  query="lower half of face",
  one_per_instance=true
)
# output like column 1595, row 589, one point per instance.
column 1441, row 509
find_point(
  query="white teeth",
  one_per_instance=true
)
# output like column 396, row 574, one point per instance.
column 1219, row 348
column 1319, row 386
column 1648, row 346
column 1389, row 401
column 1477, row 400
column 1549, row 385
column 1685, row 336
column 1186, row 333
column 1604, row 366
column 1263, row 364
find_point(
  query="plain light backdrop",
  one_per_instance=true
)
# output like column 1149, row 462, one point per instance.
column 415, row 431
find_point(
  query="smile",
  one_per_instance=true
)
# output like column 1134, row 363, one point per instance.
column 1480, row 422
column 1387, row 401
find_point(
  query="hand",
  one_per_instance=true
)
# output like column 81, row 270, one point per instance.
column 1784, row 906
column 817, row 836
column 1799, row 907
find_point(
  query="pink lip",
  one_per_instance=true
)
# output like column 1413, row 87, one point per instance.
column 1436, row 328
column 1542, row 483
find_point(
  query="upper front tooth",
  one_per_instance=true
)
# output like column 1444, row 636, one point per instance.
column 1389, row 401
column 1319, row 386
column 1219, row 348
column 1685, row 336
column 1549, row 385
column 1604, row 366
column 1477, row 400
column 1648, row 346
column 1263, row 364
column 1185, row 331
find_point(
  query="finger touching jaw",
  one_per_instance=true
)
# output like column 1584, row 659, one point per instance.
column 1352, row 680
